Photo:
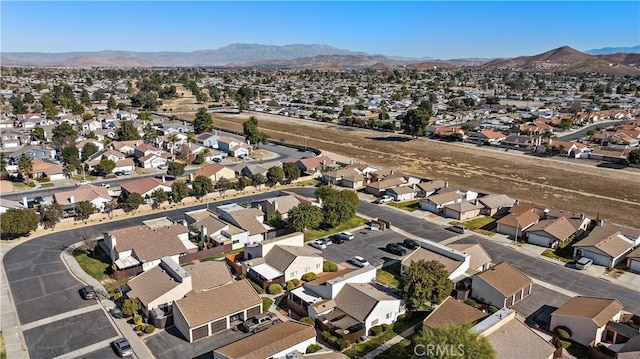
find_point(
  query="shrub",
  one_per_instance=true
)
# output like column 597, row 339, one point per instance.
column 385, row 327
column 31, row 184
column 377, row 330
column 313, row 348
column 493, row 309
column 137, row 328
column 149, row 329
column 209, row 245
column 308, row 320
column 200, row 244
column 341, row 344
column 266, row 304
column 140, row 334
column 242, row 276
column 290, row 285
column 308, row 277
column 470, row 302
column 274, row 289
column 402, row 317
column 137, row 319
column 563, row 332
column 326, row 335
column 296, row 281
column 329, row 266
column 256, row 287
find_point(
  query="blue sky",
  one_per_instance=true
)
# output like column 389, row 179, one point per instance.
column 414, row 29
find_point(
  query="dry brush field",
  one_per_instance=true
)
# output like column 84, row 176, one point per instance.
column 578, row 187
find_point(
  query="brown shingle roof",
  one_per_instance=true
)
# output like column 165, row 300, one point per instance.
column 144, row 185
column 478, row 255
column 387, row 183
column 560, row 228
column 209, row 170
column 516, row 334
column 359, row 299
column 427, row 255
column 208, row 275
column 83, row 193
column 246, row 219
column 208, row 306
column 280, row 257
column 452, row 311
column 522, row 220
column 151, row 285
column 150, row 244
column 505, row 278
column 607, row 239
column 600, row 310
column 269, row 342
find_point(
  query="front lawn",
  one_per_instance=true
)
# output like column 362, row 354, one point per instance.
column 563, row 253
column 483, row 225
column 141, row 171
column 82, row 178
column 575, row 349
column 409, row 206
column 312, row 182
column 359, row 350
column 354, row 222
column 389, row 275
column 47, row 185
column 96, row 264
column 402, row 350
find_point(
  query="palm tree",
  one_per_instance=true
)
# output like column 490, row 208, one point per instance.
column 68, row 170
column 191, row 138
column 173, row 138
column 25, row 166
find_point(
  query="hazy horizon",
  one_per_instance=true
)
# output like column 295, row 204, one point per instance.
column 442, row 30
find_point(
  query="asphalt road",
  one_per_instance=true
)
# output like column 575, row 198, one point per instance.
column 103, row 353
column 583, row 132
column 367, row 244
column 170, row 344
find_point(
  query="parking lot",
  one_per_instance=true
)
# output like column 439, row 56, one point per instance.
column 367, row 244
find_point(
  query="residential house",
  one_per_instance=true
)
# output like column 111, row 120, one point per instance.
column 509, row 336
column 487, row 137
column 436, row 202
column 607, row 244
column 404, row 193
column 515, row 224
column 151, row 157
column 284, row 340
column 463, row 210
column 354, row 176
column 126, row 147
column 495, row 204
column 122, row 162
column 145, row 186
column 215, row 172
column 550, row 232
column 208, row 139
column 260, row 249
column 480, row 259
column 80, row 145
column 213, row 229
column 455, row 262
column 233, row 147
column 249, row 170
column 312, row 165
column 379, row 188
column 7, row 204
column 46, row 168
column 279, row 206
column 32, row 152
column 586, row 318
column 203, row 314
column 452, row 312
column 519, row 142
column 96, row 195
column 426, row 189
column 501, row 286
column 147, row 244
column 249, row 219
column 568, row 148
column 208, row 155
column 283, row 263
column 610, row 155
column 633, row 261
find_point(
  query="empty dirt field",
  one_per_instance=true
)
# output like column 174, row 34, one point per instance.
column 578, row 187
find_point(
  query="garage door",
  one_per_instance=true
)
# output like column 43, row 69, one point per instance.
column 218, row 325
column 253, row 312
column 509, row 301
column 200, row 332
column 526, row 291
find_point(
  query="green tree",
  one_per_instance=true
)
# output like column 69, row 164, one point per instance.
column 252, row 133
column 133, row 202
column 425, row 282
column 324, row 192
column 51, row 215
column 159, row 196
column 338, row 209
column 223, row 185
column 3, row 162
column 202, row 186
column 106, row 166
column 275, row 175
column 179, row 191
column 346, row 111
column 99, row 95
column 88, row 150
column 634, row 157
column 16, row 223
column 305, row 216
column 128, row 132
column 203, row 121
column 25, row 167
column 84, row 210
column 175, row 169
column 109, row 207
column 37, row 134
column 258, row 179
column 131, row 307
column 71, row 156
column 145, row 116
column 415, row 121
column 63, row 135
column 244, row 182
column 85, row 99
column 150, row 134
column 111, row 103
column 291, row 171
column 460, row 340
column 172, row 139
column 28, row 98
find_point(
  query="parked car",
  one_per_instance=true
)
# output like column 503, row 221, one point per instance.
column 82, row 183
column 217, row 160
column 347, row 236
column 337, row 239
column 458, row 229
column 106, row 185
column 116, row 313
column 360, row 262
column 259, row 322
column 584, row 263
column 88, row 292
column 318, row 244
column 411, row 243
column 385, row 199
column 122, row 347
column 326, row 241
column 162, row 167
column 396, row 249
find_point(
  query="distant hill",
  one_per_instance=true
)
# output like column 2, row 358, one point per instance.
column 327, row 61
column 429, row 65
column 613, row 50
column 572, row 61
column 120, row 61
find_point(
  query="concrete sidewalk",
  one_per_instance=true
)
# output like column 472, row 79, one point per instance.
column 388, row 344
column 122, row 327
column 14, row 342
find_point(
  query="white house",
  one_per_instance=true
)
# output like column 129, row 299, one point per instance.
column 608, row 244
column 586, row 318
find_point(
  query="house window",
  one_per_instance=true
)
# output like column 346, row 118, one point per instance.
column 388, row 315
column 307, row 269
column 236, row 241
column 318, row 266
column 293, row 274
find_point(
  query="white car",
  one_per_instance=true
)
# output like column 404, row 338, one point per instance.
column 360, row 262
column 319, row 244
column 347, row 236
column 385, row 199
column 326, row 241
column 82, row 183
column 106, row 185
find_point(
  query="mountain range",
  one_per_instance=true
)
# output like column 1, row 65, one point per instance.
column 613, row 50
column 317, row 56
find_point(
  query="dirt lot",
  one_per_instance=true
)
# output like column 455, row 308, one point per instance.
column 582, row 188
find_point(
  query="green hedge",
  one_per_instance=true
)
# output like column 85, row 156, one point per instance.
column 256, row 287
column 329, row 266
column 275, row 288
column 313, row 348
column 149, row 329
column 308, row 277
column 563, row 332
column 266, row 304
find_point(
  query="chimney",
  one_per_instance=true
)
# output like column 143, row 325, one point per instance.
column 25, row 203
column 446, row 184
column 600, row 222
column 581, row 216
column 163, row 180
column 391, row 172
column 72, row 199
column 203, row 232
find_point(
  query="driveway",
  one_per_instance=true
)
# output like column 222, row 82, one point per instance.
column 367, row 244
column 171, row 344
